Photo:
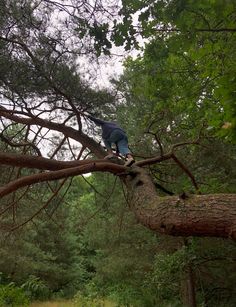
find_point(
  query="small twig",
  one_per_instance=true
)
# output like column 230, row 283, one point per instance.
column 61, row 198
column 58, row 147
column 157, row 140
column 81, row 152
column 183, row 144
column 93, row 187
column 14, row 202
column 186, row 170
column 40, row 209
column 23, row 144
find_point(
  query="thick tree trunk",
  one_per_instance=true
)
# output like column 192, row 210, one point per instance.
column 189, row 295
column 196, row 215
column 188, row 288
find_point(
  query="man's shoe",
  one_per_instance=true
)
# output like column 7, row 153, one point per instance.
column 129, row 161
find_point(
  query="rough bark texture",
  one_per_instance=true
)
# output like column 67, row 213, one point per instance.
column 197, row 215
column 188, row 295
column 40, row 162
column 62, row 173
column 190, row 287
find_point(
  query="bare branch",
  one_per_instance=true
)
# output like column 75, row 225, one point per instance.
column 42, row 208
column 186, row 170
column 66, row 130
column 40, row 163
column 58, row 147
column 13, row 203
column 154, row 160
column 23, row 144
column 64, row 173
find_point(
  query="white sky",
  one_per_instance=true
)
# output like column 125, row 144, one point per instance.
column 105, row 67
column 97, row 72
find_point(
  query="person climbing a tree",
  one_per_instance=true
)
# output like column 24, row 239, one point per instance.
column 114, row 134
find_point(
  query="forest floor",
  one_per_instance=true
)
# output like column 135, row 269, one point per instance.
column 66, row 303
column 53, row 304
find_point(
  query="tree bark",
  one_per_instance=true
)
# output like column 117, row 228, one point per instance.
column 191, row 294
column 194, row 215
column 188, row 288
column 197, row 215
column 67, row 131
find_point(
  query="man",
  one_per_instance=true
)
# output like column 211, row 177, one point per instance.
column 113, row 134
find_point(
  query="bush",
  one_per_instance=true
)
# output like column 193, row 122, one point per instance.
column 10, row 295
column 84, row 301
column 36, row 288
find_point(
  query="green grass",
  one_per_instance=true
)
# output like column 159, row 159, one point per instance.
column 65, row 304
column 53, row 304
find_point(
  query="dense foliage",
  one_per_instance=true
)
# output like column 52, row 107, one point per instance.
column 92, row 248
column 78, row 237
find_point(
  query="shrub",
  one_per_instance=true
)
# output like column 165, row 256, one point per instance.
column 84, row 301
column 35, row 288
column 10, row 295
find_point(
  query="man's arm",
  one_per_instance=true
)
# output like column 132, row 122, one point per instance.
column 108, row 147
column 96, row 120
column 107, row 144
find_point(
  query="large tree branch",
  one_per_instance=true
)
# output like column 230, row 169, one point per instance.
column 40, row 163
column 63, row 173
column 195, row 215
column 66, row 130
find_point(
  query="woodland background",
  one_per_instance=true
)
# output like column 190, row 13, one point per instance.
column 77, row 237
